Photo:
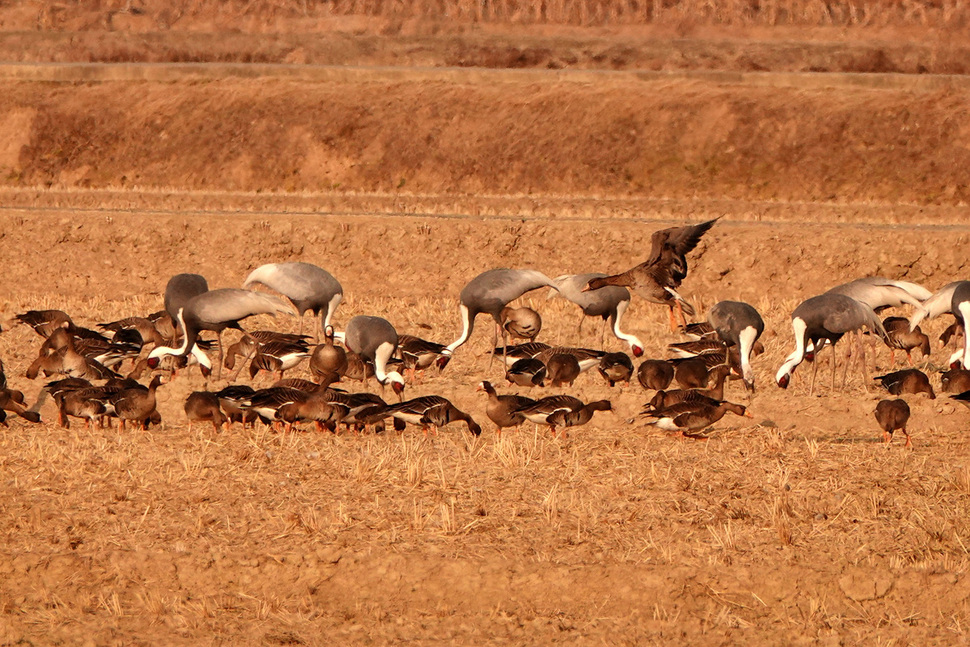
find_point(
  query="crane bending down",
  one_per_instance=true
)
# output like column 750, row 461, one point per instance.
column 374, row 339
column 217, row 310
column 826, row 316
column 489, row 293
column 608, row 302
column 309, row 288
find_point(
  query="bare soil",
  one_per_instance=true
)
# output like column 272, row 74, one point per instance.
column 796, row 526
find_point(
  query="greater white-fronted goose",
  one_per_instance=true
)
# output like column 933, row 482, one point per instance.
column 657, row 279
column 489, row 293
column 446, row 413
column 328, row 361
column 892, row 415
column 136, row 404
column 608, row 303
column 203, row 406
column 309, row 288
column 375, row 340
column 655, row 374
column 318, row 406
column 358, row 369
column 738, row 325
column 691, row 373
column 898, row 330
column 215, row 311
column 68, row 361
column 827, row 317
column 13, row 401
column 953, row 332
column 527, row 372
column 87, row 404
column 562, row 369
column 44, row 322
column 278, row 356
column 562, row 418
column 910, row 380
column 418, row 354
column 521, row 351
column 962, row 398
column 714, row 395
column 541, row 410
column 616, row 367
column 521, row 323
column 144, row 327
column 235, row 400
column 500, row 408
column 689, row 418
column 587, row 358
column 265, row 403
column 416, row 412
column 955, row 380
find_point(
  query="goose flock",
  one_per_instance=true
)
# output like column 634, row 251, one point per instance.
column 89, row 384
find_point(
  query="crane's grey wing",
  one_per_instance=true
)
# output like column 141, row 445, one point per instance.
column 879, row 292
column 939, row 303
column 503, row 285
column 297, row 281
column 571, row 287
column 232, row 304
column 846, row 314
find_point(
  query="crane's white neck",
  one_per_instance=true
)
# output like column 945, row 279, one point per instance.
column 331, row 308
column 964, row 309
column 196, row 352
column 632, row 340
column 467, row 324
column 800, row 327
column 746, row 339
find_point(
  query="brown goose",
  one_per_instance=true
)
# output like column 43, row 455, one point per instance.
column 358, row 369
column 447, row 413
column 655, row 374
column 527, row 372
column 278, row 356
column 70, row 362
column 522, row 351
column 581, row 416
column 500, row 408
column 955, row 380
column 145, row 328
column 562, row 369
column 713, row 395
column 908, row 380
column 13, row 401
column 897, row 329
column 44, row 322
column 328, row 361
column 540, row 412
column 521, row 323
column 235, row 400
column 691, row 373
column 136, row 404
column 586, row 357
column 87, row 404
column 203, row 406
column 418, row 354
column 318, row 406
column 616, row 367
column 658, row 278
column 892, row 415
column 688, row 418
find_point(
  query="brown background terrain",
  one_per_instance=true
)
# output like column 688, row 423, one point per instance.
column 793, row 527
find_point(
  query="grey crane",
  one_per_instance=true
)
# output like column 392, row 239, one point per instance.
column 960, row 306
column 940, row 302
column 374, row 339
column 826, row 317
column 879, row 293
column 217, row 310
column 309, row 288
column 490, row 292
column 180, row 289
column 738, row 324
column 608, row 302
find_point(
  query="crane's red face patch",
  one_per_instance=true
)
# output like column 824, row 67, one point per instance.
column 637, row 351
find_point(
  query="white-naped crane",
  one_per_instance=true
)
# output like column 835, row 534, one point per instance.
column 489, row 293
column 960, row 306
column 181, row 289
column 657, row 278
column 215, row 311
column 828, row 317
column 880, row 293
column 609, row 303
column 309, row 288
column 738, row 324
column 375, row 340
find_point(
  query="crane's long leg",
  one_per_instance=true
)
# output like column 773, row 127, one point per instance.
column 865, row 366
column 811, row 388
column 219, row 364
column 249, row 357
